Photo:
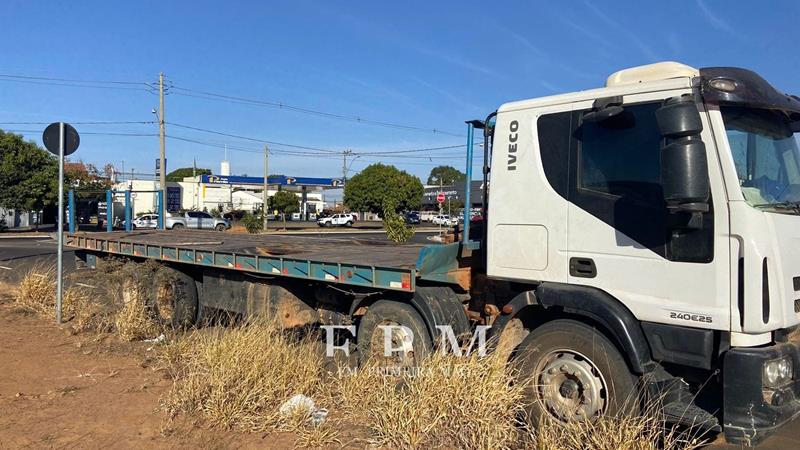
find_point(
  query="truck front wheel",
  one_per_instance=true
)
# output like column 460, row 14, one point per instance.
column 408, row 338
column 175, row 298
column 177, row 226
column 573, row 373
column 220, row 227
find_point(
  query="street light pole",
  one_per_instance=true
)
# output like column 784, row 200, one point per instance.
column 265, row 197
column 162, row 176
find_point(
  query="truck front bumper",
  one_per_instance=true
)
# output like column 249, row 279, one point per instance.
column 753, row 411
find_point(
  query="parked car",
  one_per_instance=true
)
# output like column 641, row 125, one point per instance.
column 337, row 220
column 444, row 219
column 412, row 218
column 145, row 221
column 197, row 220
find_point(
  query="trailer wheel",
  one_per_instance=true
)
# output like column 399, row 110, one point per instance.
column 573, row 373
column 175, row 298
column 408, row 333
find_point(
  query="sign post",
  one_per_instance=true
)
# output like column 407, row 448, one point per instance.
column 60, row 139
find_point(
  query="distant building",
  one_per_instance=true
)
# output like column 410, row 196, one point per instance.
column 227, row 193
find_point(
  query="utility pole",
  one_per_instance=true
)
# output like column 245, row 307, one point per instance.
column 265, row 197
column 345, row 154
column 162, row 175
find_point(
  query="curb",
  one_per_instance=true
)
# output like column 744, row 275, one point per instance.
column 28, row 236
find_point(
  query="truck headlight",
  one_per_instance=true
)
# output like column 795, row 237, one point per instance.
column 777, row 372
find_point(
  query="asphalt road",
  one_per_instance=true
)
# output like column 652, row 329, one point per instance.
column 19, row 254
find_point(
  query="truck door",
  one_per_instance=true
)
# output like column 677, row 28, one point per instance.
column 622, row 239
column 192, row 219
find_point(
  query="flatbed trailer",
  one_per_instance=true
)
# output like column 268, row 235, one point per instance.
column 341, row 260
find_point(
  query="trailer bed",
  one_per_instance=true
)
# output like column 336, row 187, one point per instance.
column 345, row 260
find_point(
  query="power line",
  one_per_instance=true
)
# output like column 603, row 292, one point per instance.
column 72, row 80
column 125, row 122
column 263, row 141
column 280, row 105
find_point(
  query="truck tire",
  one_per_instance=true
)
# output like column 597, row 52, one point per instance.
column 177, row 226
column 220, row 227
column 573, row 373
column 175, row 298
column 389, row 313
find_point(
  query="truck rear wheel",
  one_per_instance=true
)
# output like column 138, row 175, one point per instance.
column 407, row 333
column 573, row 373
column 175, row 298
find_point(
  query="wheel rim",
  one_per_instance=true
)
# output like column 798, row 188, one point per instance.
column 571, row 386
column 400, row 338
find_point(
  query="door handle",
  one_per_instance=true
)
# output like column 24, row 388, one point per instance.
column 582, row 267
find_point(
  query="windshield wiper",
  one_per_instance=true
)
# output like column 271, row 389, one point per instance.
column 792, row 206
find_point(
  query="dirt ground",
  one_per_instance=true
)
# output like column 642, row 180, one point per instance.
column 63, row 391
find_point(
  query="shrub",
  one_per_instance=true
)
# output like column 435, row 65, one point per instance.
column 396, row 228
column 253, row 223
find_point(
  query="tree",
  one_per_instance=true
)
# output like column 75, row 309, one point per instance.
column 385, row 190
column 183, row 172
column 380, row 188
column 28, row 174
column 445, row 175
column 83, row 176
column 284, row 202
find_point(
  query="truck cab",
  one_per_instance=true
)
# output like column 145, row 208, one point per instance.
column 664, row 209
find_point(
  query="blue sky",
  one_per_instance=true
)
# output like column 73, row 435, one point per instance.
column 429, row 65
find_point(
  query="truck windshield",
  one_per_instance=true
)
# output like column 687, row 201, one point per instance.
column 766, row 156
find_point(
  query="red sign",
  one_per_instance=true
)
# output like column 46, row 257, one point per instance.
column 440, row 197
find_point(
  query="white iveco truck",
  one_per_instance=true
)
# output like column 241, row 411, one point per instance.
column 657, row 220
column 639, row 238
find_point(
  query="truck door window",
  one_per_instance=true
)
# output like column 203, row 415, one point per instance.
column 621, row 156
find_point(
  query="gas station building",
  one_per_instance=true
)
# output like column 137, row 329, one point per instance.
column 228, row 192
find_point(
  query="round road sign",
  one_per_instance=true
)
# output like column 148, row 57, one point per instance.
column 51, row 138
column 440, row 197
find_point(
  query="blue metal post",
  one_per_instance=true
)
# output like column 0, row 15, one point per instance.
column 128, row 210
column 109, row 212
column 160, row 209
column 468, row 187
column 71, row 206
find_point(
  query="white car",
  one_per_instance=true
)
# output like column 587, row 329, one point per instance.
column 146, row 221
column 336, row 220
column 444, row 219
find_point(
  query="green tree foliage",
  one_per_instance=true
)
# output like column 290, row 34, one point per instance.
column 183, row 172
column 284, row 202
column 253, row 223
column 396, row 228
column 445, row 175
column 28, row 174
column 380, row 188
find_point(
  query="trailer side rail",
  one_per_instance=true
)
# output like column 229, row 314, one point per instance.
column 391, row 278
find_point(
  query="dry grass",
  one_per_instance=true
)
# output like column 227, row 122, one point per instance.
column 239, row 377
column 136, row 320
column 643, row 432
column 118, row 304
column 466, row 402
column 37, row 290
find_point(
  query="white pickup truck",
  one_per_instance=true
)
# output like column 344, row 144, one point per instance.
column 197, row 220
column 338, row 220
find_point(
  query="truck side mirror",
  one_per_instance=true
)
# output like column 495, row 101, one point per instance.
column 684, row 166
